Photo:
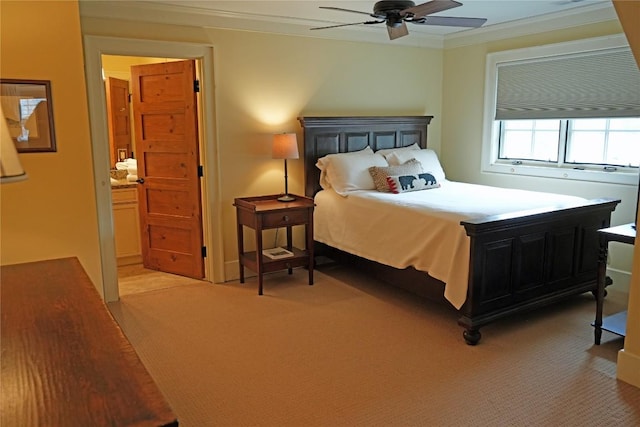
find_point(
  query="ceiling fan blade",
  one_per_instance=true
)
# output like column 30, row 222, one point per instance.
column 346, row 25
column 451, row 21
column 428, row 8
column 344, row 10
column 397, row 31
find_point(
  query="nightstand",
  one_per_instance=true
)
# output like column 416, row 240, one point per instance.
column 616, row 323
column 266, row 212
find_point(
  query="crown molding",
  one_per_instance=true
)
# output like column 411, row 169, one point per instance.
column 592, row 14
column 140, row 11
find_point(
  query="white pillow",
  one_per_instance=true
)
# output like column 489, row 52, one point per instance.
column 350, row 173
column 324, row 162
column 427, row 157
column 387, row 151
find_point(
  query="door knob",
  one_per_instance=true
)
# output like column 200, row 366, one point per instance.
column 140, row 180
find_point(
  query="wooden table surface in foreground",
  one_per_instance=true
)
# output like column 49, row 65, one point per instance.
column 65, row 361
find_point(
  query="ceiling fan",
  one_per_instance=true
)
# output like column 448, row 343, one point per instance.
column 396, row 13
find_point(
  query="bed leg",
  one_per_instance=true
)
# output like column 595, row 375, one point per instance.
column 471, row 336
column 608, row 281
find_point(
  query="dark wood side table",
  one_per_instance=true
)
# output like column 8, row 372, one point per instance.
column 616, row 323
column 265, row 212
column 65, row 360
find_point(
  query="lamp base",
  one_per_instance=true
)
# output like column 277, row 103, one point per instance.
column 286, row 198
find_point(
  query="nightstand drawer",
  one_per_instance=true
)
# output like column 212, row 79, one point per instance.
column 284, row 219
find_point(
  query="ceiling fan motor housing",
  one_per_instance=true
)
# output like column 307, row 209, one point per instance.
column 383, row 9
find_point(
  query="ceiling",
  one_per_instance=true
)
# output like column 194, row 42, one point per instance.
column 297, row 17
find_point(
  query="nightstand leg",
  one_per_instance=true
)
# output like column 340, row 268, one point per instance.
column 289, row 245
column 240, row 249
column 310, row 246
column 602, row 273
column 259, row 256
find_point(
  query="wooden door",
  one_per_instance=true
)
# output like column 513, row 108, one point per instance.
column 165, row 122
column 119, row 117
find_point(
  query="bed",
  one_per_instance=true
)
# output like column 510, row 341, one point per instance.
column 513, row 259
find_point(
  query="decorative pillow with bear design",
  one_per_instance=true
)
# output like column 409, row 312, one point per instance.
column 380, row 173
column 427, row 157
column 406, row 183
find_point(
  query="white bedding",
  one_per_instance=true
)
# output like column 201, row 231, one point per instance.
column 421, row 228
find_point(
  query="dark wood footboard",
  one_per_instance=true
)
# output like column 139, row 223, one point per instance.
column 518, row 262
column 524, row 260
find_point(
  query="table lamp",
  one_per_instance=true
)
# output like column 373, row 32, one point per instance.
column 285, row 146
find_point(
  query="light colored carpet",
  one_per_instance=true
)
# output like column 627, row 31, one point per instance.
column 349, row 351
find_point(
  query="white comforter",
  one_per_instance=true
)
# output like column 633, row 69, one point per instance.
column 421, row 228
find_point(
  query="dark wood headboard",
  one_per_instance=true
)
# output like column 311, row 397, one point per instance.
column 330, row 135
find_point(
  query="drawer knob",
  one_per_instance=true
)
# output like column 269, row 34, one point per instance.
column 285, row 218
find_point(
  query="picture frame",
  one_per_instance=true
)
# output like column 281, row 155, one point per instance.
column 28, row 110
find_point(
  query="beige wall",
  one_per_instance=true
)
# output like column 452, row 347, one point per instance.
column 265, row 81
column 53, row 213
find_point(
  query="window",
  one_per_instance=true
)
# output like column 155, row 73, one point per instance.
column 27, row 105
column 596, row 144
column 529, row 140
column 568, row 110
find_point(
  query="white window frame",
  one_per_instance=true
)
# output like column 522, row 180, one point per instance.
column 491, row 128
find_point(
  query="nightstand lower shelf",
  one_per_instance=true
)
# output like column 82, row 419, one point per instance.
column 616, row 323
column 300, row 258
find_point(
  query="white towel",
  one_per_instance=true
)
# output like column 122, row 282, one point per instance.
column 131, row 177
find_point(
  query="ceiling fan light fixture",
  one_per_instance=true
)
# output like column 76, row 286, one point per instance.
column 396, row 13
column 394, row 20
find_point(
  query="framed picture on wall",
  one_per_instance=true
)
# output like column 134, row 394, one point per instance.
column 28, row 111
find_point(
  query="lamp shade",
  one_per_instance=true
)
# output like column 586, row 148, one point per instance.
column 285, row 146
column 10, row 167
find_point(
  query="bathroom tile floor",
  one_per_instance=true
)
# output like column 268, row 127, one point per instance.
column 134, row 279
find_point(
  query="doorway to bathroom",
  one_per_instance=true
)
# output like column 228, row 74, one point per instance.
column 152, row 107
column 97, row 48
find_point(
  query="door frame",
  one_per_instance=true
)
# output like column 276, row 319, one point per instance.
column 94, row 48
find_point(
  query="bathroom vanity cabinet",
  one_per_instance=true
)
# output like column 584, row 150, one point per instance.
column 126, row 222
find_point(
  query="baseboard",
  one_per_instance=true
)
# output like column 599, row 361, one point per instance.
column 628, row 368
column 232, row 271
column 129, row 260
column 621, row 279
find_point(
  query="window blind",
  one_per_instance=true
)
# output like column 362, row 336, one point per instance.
column 597, row 84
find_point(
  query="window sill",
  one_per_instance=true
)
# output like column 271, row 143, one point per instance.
column 623, row 178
